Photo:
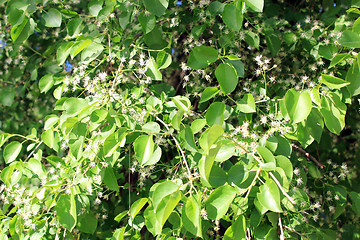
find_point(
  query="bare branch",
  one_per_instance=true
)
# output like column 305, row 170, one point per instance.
column 308, row 156
column 33, row 151
column 282, row 236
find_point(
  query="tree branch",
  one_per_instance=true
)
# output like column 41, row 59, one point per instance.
column 282, row 236
column 308, row 156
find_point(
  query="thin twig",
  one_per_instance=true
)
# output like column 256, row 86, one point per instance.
column 116, row 76
column 33, row 151
column 276, row 181
column 282, row 236
column 308, row 156
column 248, row 234
column 292, row 230
column 282, row 189
column 178, row 145
column 64, row 234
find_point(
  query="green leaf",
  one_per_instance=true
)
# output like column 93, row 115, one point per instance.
column 74, row 27
column 52, row 18
column 11, row 151
column 252, row 39
column 233, row 16
column 333, row 82
column 114, row 141
column 339, row 58
column 22, row 32
column 46, row 83
column 66, row 211
column 188, row 136
column 200, row 57
column 208, row 93
column 154, row 39
column 226, row 151
column 315, row 124
column 334, row 112
column 155, row 157
column 269, row 196
column 109, row 179
column 6, row 174
column 35, row 166
column 5, row 136
column 247, row 104
column 152, row 70
column 217, row 176
column 51, row 139
column 274, row 43
column 239, row 227
column 182, row 103
column 219, row 201
column 196, row 31
column 237, row 174
column 161, row 190
column 119, row 233
column 265, row 154
column 255, row 5
column 284, row 147
column 156, row 7
column 355, row 199
column 215, row 113
column 163, row 59
column 79, row 46
column 285, row 164
column 137, row 206
column 191, row 216
column 74, row 106
column 350, row 39
column 197, row 125
column 165, row 208
column 147, row 22
column 216, row 7
column 151, row 127
column 239, row 67
column 206, row 165
column 7, row 96
column 144, row 148
column 303, row 135
column 327, row 51
column 87, row 223
column 272, row 143
column 298, row 105
column 353, row 76
column 209, row 137
column 150, row 219
column 63, row 52
column 176, row 120
column 121, row 215
column 94, row 7
column 91, row 52
column 226, row 75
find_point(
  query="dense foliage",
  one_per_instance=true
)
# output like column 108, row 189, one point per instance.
column 158, row 119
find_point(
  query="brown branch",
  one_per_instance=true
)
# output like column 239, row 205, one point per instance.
column 320, row 165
